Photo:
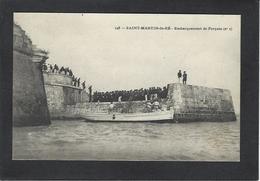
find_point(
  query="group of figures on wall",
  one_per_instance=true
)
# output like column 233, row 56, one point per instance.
column 48, row 68
column 136, row 94
column 131, row 95
column 117, row 95
column 183, row 76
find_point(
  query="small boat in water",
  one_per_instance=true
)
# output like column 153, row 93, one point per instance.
column 158, row 116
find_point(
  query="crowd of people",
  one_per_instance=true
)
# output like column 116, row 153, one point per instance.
column 136, row 94
column 65, row 71
column 118, row 95
column 55, row 69
column 130, row 95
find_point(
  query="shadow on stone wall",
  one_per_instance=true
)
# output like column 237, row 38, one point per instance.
column 29, row 98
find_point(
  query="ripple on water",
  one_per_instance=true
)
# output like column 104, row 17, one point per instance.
column 129, row 141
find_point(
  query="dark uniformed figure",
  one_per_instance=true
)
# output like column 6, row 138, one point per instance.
column 51, row 69
column 66, row 71
column 90, row 93
column 78, row 82
column 70, row 72
column 75, row 81
column 179, row 75
column 84, row 84
column 56, row 68
column 184, row 79
column 61, row 70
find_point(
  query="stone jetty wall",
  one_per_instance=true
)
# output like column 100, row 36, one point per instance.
column 29, row 97
column 188, row 103
column 74, row 111
column 61, row 93
column 198, row 103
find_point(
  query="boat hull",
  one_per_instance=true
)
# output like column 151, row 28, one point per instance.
column 130, row 117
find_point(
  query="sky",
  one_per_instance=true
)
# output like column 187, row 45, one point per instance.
column 112, row 59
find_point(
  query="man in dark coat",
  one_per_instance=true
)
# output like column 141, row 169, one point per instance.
column 78, row 82
column 83, row 85
column 51, row 69
column 179, row 75
column 56, row 68
column 90, row 93
column 75, row 81
column 184, row 80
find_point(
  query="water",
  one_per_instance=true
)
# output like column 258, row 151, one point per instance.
column 79, row 140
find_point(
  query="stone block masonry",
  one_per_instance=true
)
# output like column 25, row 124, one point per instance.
column 187, row 102
column 74, row 111
column 61, row 93
column 198, row 103
column 29, row 97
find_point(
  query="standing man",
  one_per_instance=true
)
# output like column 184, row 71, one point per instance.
column 83, row 85
column 75, row 81
column 90, row 93
column 110, row 108
column 78, row 82
column 56, row 68
column 179, row 75
column 51, row 70
column 184, row 77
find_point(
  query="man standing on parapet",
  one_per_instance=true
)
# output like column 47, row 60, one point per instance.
column 78, row 82
column 83, row 85
column 179, row 75
column 184, row 79
column 90, row 93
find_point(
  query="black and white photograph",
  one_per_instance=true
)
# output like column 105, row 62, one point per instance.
column 126, row 87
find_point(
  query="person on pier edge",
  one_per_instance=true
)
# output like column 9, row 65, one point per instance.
column 84, row 84
column 90, row 93
column 110, row 108
column 179, row 75
column 184, row 80
column 78, row 82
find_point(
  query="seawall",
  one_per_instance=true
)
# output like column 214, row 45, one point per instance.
column 75, row 111
column 187, row 102
column 198, row 103
column 29, row 97
column 61, row 93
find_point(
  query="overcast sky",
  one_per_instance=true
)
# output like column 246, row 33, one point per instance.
column 110, row 59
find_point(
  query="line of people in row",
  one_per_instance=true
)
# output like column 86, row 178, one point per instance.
column 65, row 71
column 130, row 95
column 55, row 69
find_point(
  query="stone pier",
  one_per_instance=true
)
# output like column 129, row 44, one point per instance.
column 187, row 102
column 198, row 103
column 61, row 93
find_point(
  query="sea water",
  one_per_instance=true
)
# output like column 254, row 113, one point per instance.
column 80, row 140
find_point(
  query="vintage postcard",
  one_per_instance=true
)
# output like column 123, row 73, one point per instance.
column 132, row 87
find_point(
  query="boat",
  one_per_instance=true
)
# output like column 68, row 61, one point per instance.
column 158, row 116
